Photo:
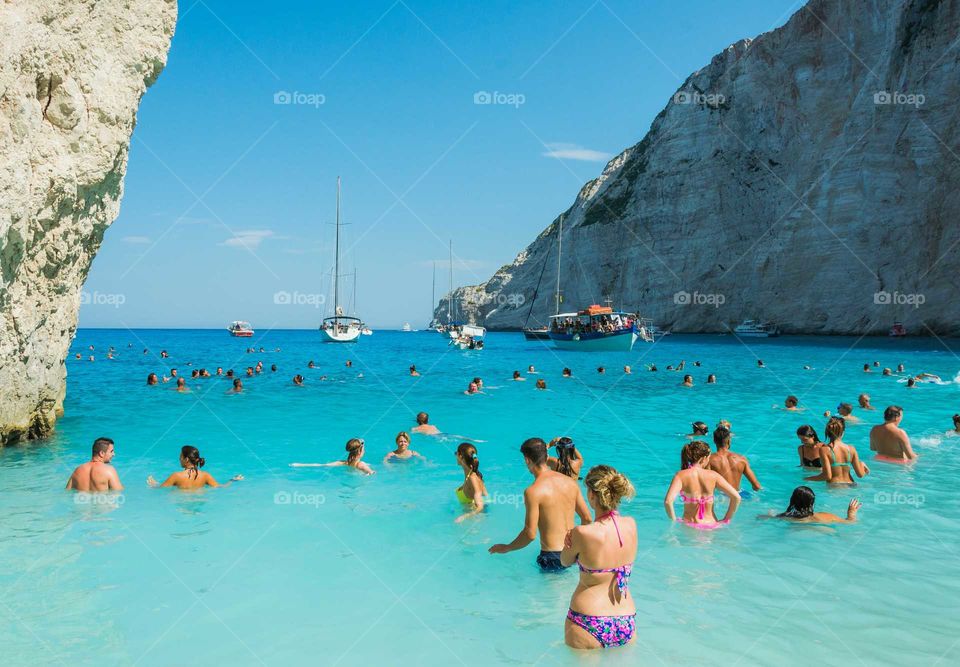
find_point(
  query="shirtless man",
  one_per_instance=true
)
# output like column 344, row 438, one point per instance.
column 864, row 400
column 732, row 467
column 97, row 474
column 890, row 441
column 424, row 426
column 551, row 502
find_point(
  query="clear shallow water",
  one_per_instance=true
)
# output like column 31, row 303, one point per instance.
column 300, row 566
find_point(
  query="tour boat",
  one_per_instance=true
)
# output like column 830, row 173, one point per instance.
column 756, row 329
column 897, row 330
column 240, row 329
column 598, row 328
column 340, row 328
column 406, row 327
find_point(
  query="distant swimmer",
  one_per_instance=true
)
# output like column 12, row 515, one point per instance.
column 695, row 485
column 531, row 369
column 541, row 383
column 900, row 368
column 731, row 466
column 911, row 383
column 876, row 364
column 956, row 424
column 602, row 612
column 191, row 477
column 801, row 509
column 355, row 451
column 809, row 449
column 568, row 460
column 237, row 387
column 182, row 385
column 173, row 372
column 866, row 368
column 627, row 370
column 889, row 441
column 310, row 364
column 687, row 381
column 273, row 368
column 152, row 379
column 551, row 503
column 472, row 492
column 517, row 377
column 711, row 379
column 791, row 403
column 760, row 363
column 887, row 372
column 479, row 383
column 838, row 459
column 349, row 364
column 472, row 388
column 864, row 401
column 97, row 474
column 424, row 426
column 699, row 429
column 403, row 451
column 413, row 371
column 845, row 410
column 652, row 368
column 298, row 380
column 567, row 373
column 249, row 371
column 601, row 370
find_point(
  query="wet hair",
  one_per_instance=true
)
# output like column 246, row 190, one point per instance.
column 845, row 407
column 541, row 383
column 181, row 382
column 911, row 382
column 835, row 428
column 567, row 372
column 516, row 374
column 601, row 369
column 152, row 378
column 700, row 428
column 711, row 378
column 956, row 420
column 422, row 418
column 273, row 367
column 535, row 450
column 892, row 412
column 721, row 437
column 192, row 455
column 237, row 383
column 402, row 434
column 808, row 431
column 801, row 503
column 608, row 485
column 354, row 445
column 866, row 367
column 468, row 453
column 688, row 378
column 566, row 451
column 792, row 400
column 693, row 452
column 101, row 445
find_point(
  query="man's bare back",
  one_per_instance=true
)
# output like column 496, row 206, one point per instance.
column 94, row 476
column 732, row 467
column 891, row 441
column 555, row 497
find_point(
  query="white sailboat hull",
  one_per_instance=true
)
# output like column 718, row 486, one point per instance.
column 349, row 336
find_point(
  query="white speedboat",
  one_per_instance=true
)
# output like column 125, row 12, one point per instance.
column 406, row 327
column 240, row 329
column 756, row 329
column 467, row 337
column 597, row 328
column 340, row 328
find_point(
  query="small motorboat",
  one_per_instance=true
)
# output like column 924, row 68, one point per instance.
column 897, row 330
column 756, row 329
column 240, row 329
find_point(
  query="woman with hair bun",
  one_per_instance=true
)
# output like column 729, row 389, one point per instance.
column 191, row 477
column 602, row 613
column 695, row 484
column 472, row 491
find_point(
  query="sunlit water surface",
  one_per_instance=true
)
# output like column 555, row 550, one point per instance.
column 307, row 566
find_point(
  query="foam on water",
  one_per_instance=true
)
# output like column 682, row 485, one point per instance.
column 305, row 566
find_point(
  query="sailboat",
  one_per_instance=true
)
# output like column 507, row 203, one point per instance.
column 543, row 333
column 340, row 328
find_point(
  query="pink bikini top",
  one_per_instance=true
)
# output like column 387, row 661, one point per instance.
column 701, row 502
column 623, row 572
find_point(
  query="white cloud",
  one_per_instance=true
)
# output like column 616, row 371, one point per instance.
column 575, row 152
column 137, row 240
column 249, row 238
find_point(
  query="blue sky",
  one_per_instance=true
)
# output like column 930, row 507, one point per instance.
column 230, row 195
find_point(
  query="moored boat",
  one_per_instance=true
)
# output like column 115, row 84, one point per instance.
column 756, row 329
column 240, row 329
column 897, row 330
column 598, row 328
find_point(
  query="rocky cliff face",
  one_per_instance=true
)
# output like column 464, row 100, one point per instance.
column 72, row 73
column 809, row 176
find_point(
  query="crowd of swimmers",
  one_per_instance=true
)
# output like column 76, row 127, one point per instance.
column 603, row 545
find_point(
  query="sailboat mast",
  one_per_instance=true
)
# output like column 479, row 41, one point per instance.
column 433, row 292
column 336, row 270
column 559, row 253
column 450, row 298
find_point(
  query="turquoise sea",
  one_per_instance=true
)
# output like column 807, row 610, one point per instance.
column 324, row 566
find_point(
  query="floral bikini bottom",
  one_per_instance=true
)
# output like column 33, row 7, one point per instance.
column 608, row 630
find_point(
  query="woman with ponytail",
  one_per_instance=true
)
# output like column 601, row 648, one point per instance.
column 191, row 477
column 568, row 460
column 695, row 485
column 472, row 491
column 837, row 458
column 602, row 613
column 354, row 459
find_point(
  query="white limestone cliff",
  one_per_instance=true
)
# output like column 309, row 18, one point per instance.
column 72, row 73
column 809, row 177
